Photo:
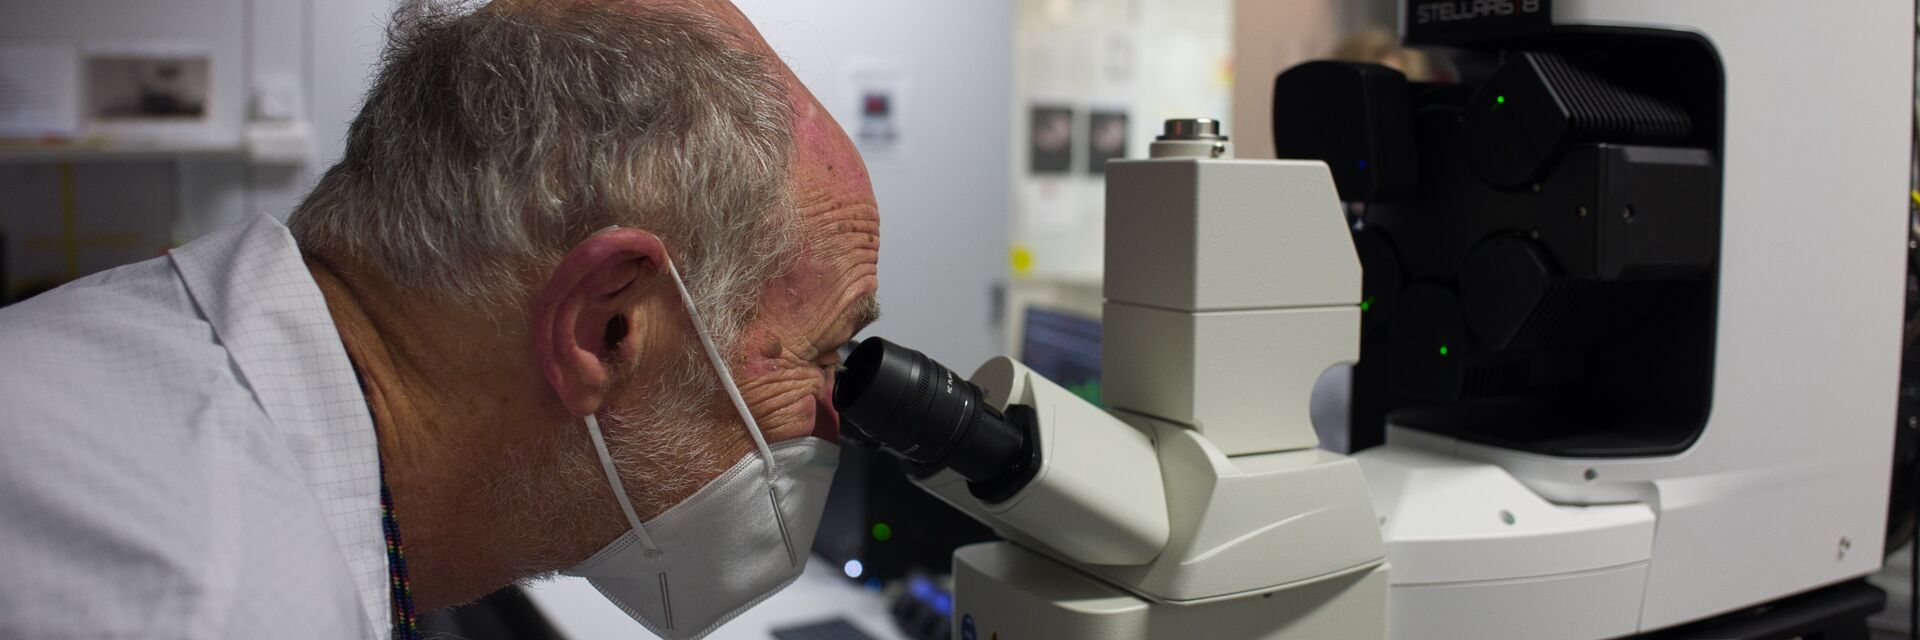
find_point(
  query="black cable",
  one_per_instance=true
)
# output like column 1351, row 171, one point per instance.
column 1913, row 463
column 1907, row 412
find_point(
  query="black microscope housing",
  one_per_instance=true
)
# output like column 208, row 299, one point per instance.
column 1540, row 235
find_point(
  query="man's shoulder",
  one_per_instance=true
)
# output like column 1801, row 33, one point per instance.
column 118, row 367
column 118, row 364
column 145, row 295
column 141, row 490
column 116, row 330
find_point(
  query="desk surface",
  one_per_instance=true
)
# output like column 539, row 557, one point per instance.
column 581, row 613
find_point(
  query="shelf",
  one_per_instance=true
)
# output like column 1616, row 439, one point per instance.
column 27, row 152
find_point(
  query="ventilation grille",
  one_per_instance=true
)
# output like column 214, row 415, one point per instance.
column 1603, row 111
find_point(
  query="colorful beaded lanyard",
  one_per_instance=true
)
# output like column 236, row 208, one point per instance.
column 405, row 625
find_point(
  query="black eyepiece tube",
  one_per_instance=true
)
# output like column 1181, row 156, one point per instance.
column 921, row 412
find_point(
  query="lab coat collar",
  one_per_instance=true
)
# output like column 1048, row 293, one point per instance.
column 250, row 282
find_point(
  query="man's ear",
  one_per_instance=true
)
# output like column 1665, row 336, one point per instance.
column 582, row 316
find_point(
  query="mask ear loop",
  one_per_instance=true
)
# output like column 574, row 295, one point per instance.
column 794, row 556
column 726, row 375
column 740, row 404
column 619, row 488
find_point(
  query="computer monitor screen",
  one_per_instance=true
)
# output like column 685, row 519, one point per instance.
column 1065, row 348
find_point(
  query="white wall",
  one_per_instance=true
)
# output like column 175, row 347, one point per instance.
column 944, row 199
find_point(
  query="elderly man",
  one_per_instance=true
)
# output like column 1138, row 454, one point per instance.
column 570, row 302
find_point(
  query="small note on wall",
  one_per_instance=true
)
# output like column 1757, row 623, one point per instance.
column 876, row 108
column 39, row 91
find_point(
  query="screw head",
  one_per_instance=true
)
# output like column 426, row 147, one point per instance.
column 1590, row 474
column 1506, row 516
column 1581, row 211
column 1626, row 213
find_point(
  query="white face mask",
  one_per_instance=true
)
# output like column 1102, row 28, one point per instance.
column 736, row 541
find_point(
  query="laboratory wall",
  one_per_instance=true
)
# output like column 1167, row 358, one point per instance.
column 936, row 74
column 923, row 86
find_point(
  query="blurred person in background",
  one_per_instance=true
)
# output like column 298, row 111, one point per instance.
column 1381, row 47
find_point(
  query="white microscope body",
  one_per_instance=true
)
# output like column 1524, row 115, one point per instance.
column 1200, row 507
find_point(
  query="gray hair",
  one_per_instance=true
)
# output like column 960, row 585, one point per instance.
column 496, row 138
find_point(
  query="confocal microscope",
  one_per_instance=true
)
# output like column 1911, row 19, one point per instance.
column 1625, row 297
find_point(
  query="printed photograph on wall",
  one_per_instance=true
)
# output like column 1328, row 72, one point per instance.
column 1050, row 139
column 126, row 86
column 1106, row 139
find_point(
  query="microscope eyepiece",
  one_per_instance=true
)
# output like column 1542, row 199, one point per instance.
column 921, row 412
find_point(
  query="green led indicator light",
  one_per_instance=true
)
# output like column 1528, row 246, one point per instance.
column 1366, row 304
column 882, row 532
column 1443, row 349
column 1499, row 99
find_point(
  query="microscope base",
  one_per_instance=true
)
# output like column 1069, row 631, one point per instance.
column 1004, row 592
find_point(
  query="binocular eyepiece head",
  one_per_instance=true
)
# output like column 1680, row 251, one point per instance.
column 919, row 411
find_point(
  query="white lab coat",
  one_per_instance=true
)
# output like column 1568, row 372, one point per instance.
column 185, row 452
